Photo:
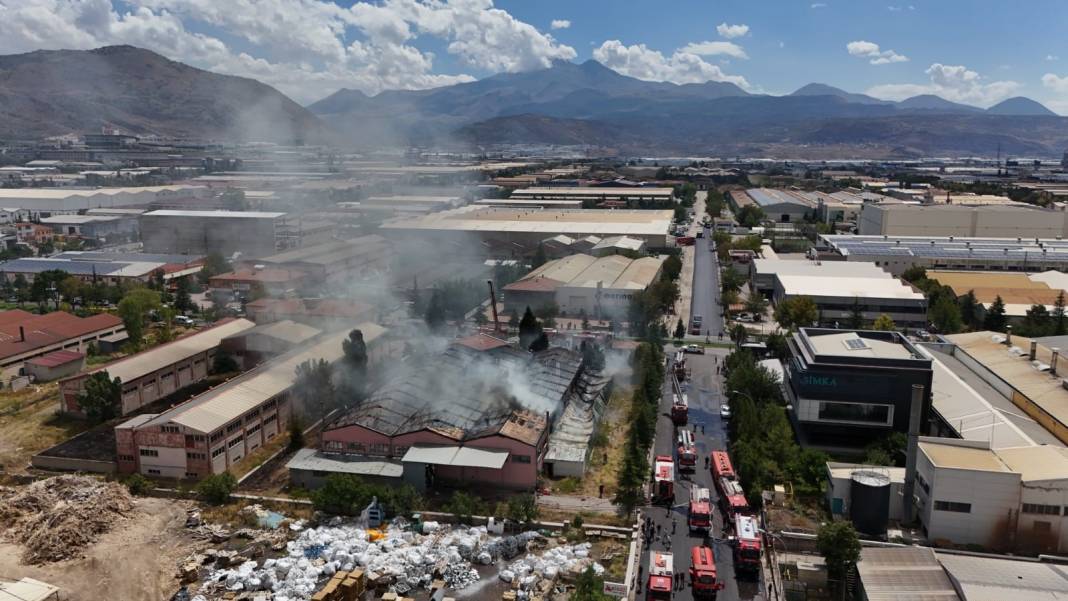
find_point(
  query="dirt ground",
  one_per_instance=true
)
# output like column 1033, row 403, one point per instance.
column 29, row 424
column 136, row 561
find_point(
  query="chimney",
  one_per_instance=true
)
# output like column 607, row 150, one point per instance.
column 1053, row 360
column 22, row 334
column 915, row 414
column 1008, row 335
column 493, row 304
column 1034, row 351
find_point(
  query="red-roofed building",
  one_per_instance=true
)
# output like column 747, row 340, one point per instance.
column 55, row 365
column 25, row 336
column 482, row 342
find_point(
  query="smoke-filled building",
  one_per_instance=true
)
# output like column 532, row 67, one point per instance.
column 480, row 413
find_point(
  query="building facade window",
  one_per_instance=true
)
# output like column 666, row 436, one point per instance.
column 217, row 452
column 953, row 506
column 379, row 448
column 126, row 457
column 149, row 453
column 855, row 412
column 196, row 456
column 153, row 472
column 520, row 458
column 1036, row 509
column 169, row 429
column 356, row 446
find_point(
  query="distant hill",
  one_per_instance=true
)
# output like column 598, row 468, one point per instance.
column 930, row 102
column 58, row 92
column 819, row 89
column 1019, row 105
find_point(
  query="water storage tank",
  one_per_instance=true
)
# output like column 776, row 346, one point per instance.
column 869, row 503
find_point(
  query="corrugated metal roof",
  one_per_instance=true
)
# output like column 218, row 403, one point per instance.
column 215, row 214
column 361, row 465
column 457, row 456
column 27, row 589
column 904, row 574
column 136, row 366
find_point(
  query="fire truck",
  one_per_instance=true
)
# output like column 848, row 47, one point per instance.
column 663, row 479
column 703, row 578
column 746, row 544
column 700, row 516
column 661, row 576
column 732, row 498
column 721, row 466
column 687, row 451
column 679, row 366
column 680, row 409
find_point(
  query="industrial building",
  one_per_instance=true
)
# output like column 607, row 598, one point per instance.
column 896, row 254
column 977, row 221
column 112, row 228
column 597, row 194
column 616, row 245
column 584, row 285
column 157, row 372
column 781, row 206
column 203, row 232
column 336, row 261
column 839, row 298
column 479, row 414
column 214, row 430
column 323, row 313
column 245, row 283
column 847, row 388
column 42, row 202
column 764, row 272
column 864, row 494
column 1018, row 291
column 255, row 345
column 1001, row 499
column 507, row 232
column 25, row 336
column 104, row 267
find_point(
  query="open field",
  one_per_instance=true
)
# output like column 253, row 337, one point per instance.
column 29, row 424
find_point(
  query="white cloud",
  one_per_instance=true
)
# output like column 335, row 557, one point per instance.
column 875, row 55
column 560, row 24
column 818, row 5
column 1059, row 85
column 306, row 48
column 952, row 82
column 645, row 63
column 1052, row 57
column 715, row 49
column 732, row 31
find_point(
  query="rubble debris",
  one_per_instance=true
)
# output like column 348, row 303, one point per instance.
column 534, row 575
column 54, row 519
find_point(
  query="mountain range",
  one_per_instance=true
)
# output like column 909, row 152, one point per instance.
column 47, row 93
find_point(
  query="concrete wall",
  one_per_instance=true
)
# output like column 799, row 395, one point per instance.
column 203, row 235
column 1043, row 533
column 957, row 220
column 994, row 499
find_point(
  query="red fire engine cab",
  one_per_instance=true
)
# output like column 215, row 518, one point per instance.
column 663, row 479
column 680, row 409
column 746, row 544
column 721, row 466
column 700, row 515
column 703, row 577
column 732, row 498
column 687, row 451
column 661, row 576
column 679, row 367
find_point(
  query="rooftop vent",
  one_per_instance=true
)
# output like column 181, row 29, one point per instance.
column 1040, row 366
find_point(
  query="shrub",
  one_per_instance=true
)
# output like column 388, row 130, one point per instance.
column 216, row 489
column 138, row 485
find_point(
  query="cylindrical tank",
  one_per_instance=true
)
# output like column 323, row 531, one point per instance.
column 869, row 503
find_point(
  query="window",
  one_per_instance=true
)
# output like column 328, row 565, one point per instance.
column 271, row 404
column 953, row 506
column 520, row 458
column 169, row 429
column 196, row 456
column 400, row 451
column 1037, row 509
column 379, row 448
column 923, row 483
column 149, row 453
column 231, row 427
column 855, row 412
column 233, row 443
column 153, row 472
column 217, row 452
column 215, row 437
column 356, row 446
column 253, row 430
column 318, row 474
column 126, row 457
column 191, row 475
column 251, row 417
column 270, row 418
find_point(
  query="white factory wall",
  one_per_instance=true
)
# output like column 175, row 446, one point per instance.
column 169, row 464
column 1038, row 526
column 994, row 498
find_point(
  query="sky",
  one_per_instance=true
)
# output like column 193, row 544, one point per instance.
column 972, row 51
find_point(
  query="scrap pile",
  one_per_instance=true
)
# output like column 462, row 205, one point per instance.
column 395, row 559
column 55, row 518
column 535, row 574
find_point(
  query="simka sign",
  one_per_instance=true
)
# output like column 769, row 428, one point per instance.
column 819, row 381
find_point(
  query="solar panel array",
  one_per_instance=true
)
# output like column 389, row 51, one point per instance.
column 1012, row 250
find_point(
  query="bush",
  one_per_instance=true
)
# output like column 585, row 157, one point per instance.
column 463, row 506
column 522, row 509
column 216, row 489
column 138, row 485
column 567, row 485
column 296, row 434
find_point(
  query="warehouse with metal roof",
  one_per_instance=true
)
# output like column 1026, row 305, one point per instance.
column 897, row 253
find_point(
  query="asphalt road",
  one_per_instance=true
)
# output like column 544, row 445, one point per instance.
column 704, row 299
column 704, row 393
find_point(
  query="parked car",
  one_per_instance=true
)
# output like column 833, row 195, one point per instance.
column 183, row 320
column 744, row 317
column 695, row 349
column 725, row 411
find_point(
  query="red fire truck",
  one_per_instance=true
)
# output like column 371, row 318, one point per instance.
column 661, row 576
column 680, row 409
column 721, row 466
column 700, row 516
column 663, row 479
column 746, row 544
column 679, row 366
column 703, row 573
column 732, row 498
column 687, row 451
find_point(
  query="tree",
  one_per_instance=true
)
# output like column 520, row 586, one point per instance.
column 672, row 267
column 182, row 300
column 739, row 334
column 749, row 215
column 70, row 288
column 214, row 264
column 464, row 505
column 730, row 279
column 101, row 397
column 540, row 343
column 777, row 345
column 995, row 319
column 796, row 312
column 757, row 305
column 315, row 385
column 969, row 310
column 680, row 329
column 435, row 311
column 839, row 545
column 945, row 315
column 1060, row 324
column 856, row 315
column 522, row 509
column 914, row 274
column 343, row 494
column 132, row 309
column 884, row 323
column 217, row 488
column 353, row 376
column 1036, row 322
column 529, row 329
column 589, row 587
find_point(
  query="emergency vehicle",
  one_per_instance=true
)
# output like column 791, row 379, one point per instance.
column 679, row 367
column 746, row 544
column 687, row 451
column 732, row 498
column 721, row 466
column 700, row 511
column 680, row 408
column 661, row 576
column 703, row 579
column 663, row 479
